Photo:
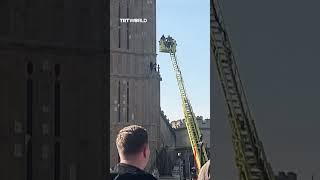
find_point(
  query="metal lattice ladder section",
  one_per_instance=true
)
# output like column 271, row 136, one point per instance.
column 250, row 157
column 190, row 120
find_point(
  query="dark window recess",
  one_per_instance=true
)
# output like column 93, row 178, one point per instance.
column 4, row 3
column 191, row 160
column 57, row 70
column 29, row 105
column 128, row 25
column 142, row 8
column 119, row 102
column 119, row 32
column 57, row 108
column 29, row 160
column 30, row 68
column 128, row 42
column 28, row 4
column 29, row 120
column 57, row 161
column 59, row 4
column 127, row 101
column 208, row 152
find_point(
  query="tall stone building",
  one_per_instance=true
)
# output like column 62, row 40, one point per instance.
column 134, row 76
column 53, row 98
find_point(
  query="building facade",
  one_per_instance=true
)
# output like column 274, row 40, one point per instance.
column 168, row 135
column 53, row 90
column 182, row 133
column 286, row 176
column 166, row 155
column 134, row 74
column 183, row 144
column 174, row 141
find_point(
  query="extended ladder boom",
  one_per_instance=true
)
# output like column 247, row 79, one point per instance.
column 249, row 153
column 168, row 45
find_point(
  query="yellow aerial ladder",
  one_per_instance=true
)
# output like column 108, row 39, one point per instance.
column 168, row 45
column 250, row 157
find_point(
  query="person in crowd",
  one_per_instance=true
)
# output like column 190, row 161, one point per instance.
column 134, row 152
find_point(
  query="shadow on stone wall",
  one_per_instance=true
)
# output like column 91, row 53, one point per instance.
column 165, row 161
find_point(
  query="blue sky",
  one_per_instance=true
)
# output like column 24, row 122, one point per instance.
column 187, row 21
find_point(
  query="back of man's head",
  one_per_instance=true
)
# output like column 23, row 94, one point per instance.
column 132, row 144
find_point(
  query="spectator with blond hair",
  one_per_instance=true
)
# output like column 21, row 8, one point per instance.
column 134, row 152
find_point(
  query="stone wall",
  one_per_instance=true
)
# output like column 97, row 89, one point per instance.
column 286, row 176
column 183, row 145
column 53, row 89
column 135, row 86
column 167, row 135
column 182, row 133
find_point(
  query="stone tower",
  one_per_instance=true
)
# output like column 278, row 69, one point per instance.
column 135, row 78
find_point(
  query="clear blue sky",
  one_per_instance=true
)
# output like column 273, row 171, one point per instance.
column 188, row 22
